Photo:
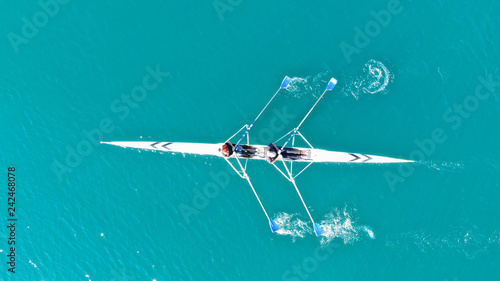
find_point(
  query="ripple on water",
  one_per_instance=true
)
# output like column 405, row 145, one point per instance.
column 375, row 79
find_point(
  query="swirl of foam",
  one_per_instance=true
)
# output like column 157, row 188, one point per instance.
column 377, row 78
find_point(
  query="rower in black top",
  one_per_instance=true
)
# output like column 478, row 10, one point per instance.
column 272, row 153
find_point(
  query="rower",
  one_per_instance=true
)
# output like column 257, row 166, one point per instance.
column 272, row 153
column 227, row 149
column 245, row 150
column 294, row 153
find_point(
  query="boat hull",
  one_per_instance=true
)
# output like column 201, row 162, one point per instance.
column 259, row 152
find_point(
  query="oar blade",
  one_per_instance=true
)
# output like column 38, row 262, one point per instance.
column 274, row 225
column 331, row 84
column 318, row 230
column 285, row 82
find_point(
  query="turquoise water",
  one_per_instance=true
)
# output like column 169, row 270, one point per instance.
column 407, row 88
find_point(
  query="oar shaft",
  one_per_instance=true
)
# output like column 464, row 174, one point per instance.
column 258, row 116
column 254, row 192
column 317, row 228
column 274, row 226
column 329, row 87
column 310, row 110
column 302, row 199
column 284, row 84
column 292, row 180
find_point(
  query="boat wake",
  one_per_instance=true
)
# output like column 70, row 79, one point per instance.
column 469, row 243
column 449, row 166
column 444, row 166
column 375, row 79
column 337, row 225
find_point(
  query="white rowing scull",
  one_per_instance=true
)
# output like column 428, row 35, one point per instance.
column 272, row 153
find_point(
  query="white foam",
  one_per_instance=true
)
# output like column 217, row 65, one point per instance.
column 292, row 225
column 378, row 77
column 341, row 225
column 310, row 85
column 369, row 232
column 375, row 79
column 338, row 224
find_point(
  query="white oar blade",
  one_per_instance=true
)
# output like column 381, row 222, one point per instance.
column 285, row 82
column 331, row 84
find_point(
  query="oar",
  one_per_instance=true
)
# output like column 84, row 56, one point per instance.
column 272, row 223
column 284, row 84
column 329, row 87
column 317, row 228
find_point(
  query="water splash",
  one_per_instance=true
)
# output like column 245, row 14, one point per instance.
column 292, row 225
column 340, row 224
column 310, row 85
column 369, row 232
column 298, row 86
column 375, row 79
